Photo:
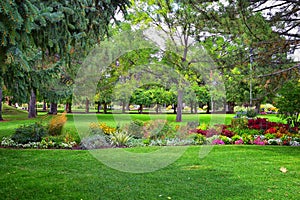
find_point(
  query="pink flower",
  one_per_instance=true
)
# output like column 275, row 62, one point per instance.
column 218, row 142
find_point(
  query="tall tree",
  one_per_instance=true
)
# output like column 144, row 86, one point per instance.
column 176, row 21
column 242, row 36
column 52, row 27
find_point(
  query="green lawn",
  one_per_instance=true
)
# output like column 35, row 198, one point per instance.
column 227, row 172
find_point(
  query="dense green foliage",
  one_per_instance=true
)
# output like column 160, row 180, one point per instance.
column 29, row 133
column 288, row 102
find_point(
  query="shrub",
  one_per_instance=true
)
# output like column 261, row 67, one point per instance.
column 8, row 142
column 192, row 125
column 198, row 138
column 247, row 131
column 227, row 133
column 107, row 129
column 211, row 139
column 269, row 136
column 159, row 129
column 178, row 142
column 133, row 142
column 236, row 138
column 288, row 102
column 239, row 123
column 251, row 113
column 226, row 139
column 203, row 126
column 120, row 138
column 135, row 129
column 274, row 141
column 101, row 129
column 95, row 129
column 94, row 142
column 57, row 123
column 208, row 133
column 248, row 139
column 29, row 133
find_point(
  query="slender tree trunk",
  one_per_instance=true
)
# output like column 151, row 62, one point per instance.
column 98, row 107
column 123, row 107
column 192, row 108
column 128, row 107
column 32, row 105
column 87, row 105
column 105, row 108
column 231, row 107
column 196, row 108
column 68, row 107
column 141, row 109
column 44, row 106
column 257, row 107
column 156, row 109
column 9, row 102
column 179, row 106
column 208, row 108
column 225, row 106
column 175, row 111
column 53, row 108
column 69, row 103
column 1, row 96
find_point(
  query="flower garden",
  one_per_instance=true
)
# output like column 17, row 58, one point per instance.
column 138, row 133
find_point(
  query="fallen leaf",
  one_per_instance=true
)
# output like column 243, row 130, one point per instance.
column 283, row 170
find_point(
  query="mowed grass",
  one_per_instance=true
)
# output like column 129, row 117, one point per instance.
column 227, row 172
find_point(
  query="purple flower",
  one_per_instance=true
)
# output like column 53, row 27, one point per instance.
column 258, row 141
column 218, row 142
column 240, row 141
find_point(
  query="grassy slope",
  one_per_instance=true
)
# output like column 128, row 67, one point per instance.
column 228, row 172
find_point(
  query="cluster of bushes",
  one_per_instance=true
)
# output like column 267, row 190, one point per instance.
column 38, row 135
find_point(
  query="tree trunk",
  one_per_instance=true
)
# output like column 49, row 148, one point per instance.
column 192, row 108
column 156, row 109
column 231, row 107
column 53, row 108
column 208, row 108
column 1, row 118
column 98, row 107
column 9, row 102
column 175, row 111
column 105, row 108
column 257, row 107
column 87, row 105
column 32, row 105
column 196, row 108
column 44, row 106
column 179, row 106
column 123, row 107
column 68, row 107
column 140, row 109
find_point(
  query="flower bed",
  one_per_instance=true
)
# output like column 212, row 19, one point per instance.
column 162, row 133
